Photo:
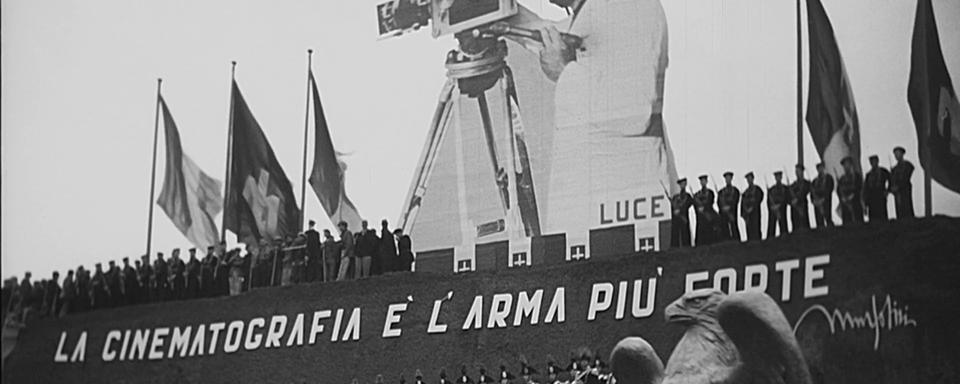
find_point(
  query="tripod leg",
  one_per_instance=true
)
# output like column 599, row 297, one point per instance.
column 526, row 194
column 498, row 172
column 437, row 132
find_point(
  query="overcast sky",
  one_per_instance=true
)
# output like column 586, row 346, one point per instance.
column 79, row 83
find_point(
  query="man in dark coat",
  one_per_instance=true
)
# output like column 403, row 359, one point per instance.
column 314, row 253
column 849, row 188
column 131, row 285
column 99, row 291
column 708, row 220
column 82, row 302
column 750, row 208
column 387, row 251
column 821, row 192
column 115, row 285
column 900, row 185
column 404, row 250
column 680, row 204
column 192, row 273
column 68, row 295
column 207, row 267
column 875, row 189
column 367, row 244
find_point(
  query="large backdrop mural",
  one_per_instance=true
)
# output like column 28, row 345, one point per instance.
column 848, row 305
column 562, row 144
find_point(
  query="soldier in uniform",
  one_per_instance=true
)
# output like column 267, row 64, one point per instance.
column 115, row 284
column 160, row 285
column 131, row 286
column 99, row 291
column 144, row 273
column 680, row 220
column 777, row 198
column 750, row 208
column 900, row 185
column 799, row 190
column 821, row 192
column 727, row 199
column 192, row 290
column 849, row 188
column 708, row 220
column 175, row 276
column 875, row 187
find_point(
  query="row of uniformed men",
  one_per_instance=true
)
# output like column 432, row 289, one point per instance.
column 855, row 193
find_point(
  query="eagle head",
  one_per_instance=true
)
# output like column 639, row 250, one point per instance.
column 699, row 306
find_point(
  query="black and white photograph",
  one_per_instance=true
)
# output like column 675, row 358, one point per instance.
column 480, row 191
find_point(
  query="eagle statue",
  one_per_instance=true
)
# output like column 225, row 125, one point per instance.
column 742, row 338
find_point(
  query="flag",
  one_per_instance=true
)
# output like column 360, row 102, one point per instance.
column 831, row 111
column 260, row 201
column 327, row 176
column 189, row 197
column 933, row 102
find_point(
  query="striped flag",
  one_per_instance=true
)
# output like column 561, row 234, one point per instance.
column 933, row 101
column 189, row 197
column 327, row 177
column 831, row 111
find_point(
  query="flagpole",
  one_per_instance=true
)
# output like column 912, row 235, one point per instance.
column 226, row 194
column 927, row 195
column 153, row 169
column 306, row 120
column 799, row 89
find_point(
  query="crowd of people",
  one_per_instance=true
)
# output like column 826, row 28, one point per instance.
column 859, row 196
column 583, row 369
column 307, row 257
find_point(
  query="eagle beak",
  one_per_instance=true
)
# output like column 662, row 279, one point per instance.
column 675, row 313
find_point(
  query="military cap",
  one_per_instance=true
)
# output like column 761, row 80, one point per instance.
column 899, row 149
column 749, row 175
column 681, row 181
column 778, row 173
column 728, row 174
column 126, row 259
column 874, row 157
column 703, row 177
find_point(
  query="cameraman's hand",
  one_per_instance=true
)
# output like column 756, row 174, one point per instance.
column 555, row 54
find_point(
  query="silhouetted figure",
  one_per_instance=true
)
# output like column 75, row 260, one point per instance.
column 176, row 277
column 160, row 282
column 51, row 295
column 821, row 192
column 192, row 287
column 99, row 290
column 777, row 198
column 83, row 300
column 348, row 246
column 680, row 204
column 708, row 220
column 875, row 189
column 131, row 283
column 404, row 250
column 799, row 202
column 900, row 185
column 387, row 250
column 728, row 199
column 367, row 244
column 68, row 295
column 331, row 256
column 145, row 275
column 115, row 284
column 750, row 208
column 314, row 253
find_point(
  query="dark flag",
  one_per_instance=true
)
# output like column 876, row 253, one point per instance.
column 831, row 111
column 327, row 177
column 189, row 197
column 260, row 200
column 933, row 101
